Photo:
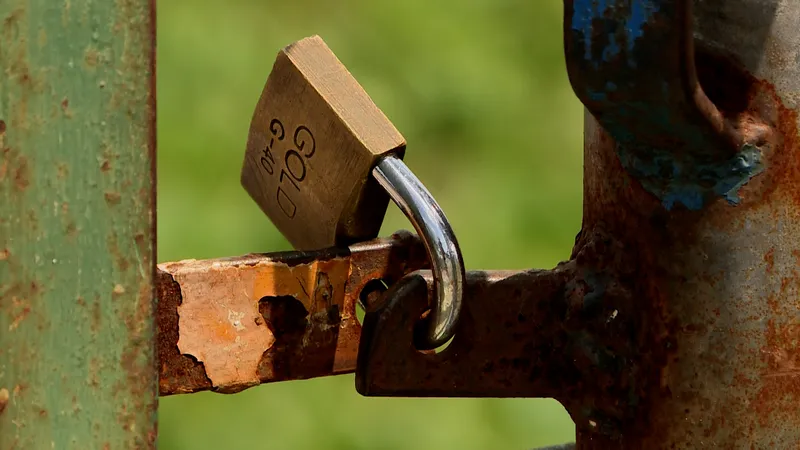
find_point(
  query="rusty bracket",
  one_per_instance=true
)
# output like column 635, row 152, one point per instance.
column 575, row 333
column 231, row 323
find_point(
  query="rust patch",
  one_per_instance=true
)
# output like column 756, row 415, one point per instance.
column 109, row 157
column 218, row 320
column 113, row 198
column 304, row 301
column 118, row 290
column 769, row 258
column 779, row 396
column 19, row 389
column 71, row 229
column 22, row 173
column 23, row 309
column 754, row 108
column 63, row 172
column 14, row 17
column 781, row 176
column 90, row 57
column 4, row 396
column 2, row 127
column 65, row 109
column 177, row 373
column 119, row 258
column 4, row 254
column 96, row 316
column 785, row 169
column 3, row 168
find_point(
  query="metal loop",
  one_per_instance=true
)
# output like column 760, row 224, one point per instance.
column 447, row 266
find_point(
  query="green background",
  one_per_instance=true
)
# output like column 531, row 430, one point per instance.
column 479, row 90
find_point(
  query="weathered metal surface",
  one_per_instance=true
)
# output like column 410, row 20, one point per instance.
column 671, row 326
column 724, row 281
column 716, row 286
column 631, row 62
column 229, row 324
column 493, row 353
column 77, row 214
column 576, row 333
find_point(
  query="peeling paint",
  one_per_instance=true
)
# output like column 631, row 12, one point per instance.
column 691, row 123
column 687, row 182
column 230, row 323
column 635, row 17
column 218, row 320
column 642, row 11
column 22, row 308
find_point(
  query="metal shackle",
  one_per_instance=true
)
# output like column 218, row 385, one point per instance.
column 428, row 219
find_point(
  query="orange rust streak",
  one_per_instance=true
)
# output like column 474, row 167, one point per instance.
column 303, row 281
column 794, row 373
column 769, row 258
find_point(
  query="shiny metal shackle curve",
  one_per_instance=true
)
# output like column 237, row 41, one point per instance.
column 428, row 219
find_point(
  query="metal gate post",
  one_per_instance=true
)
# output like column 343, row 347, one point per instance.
column 702, row 195
column 77, row 215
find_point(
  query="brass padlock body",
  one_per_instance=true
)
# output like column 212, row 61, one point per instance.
column 314, row 139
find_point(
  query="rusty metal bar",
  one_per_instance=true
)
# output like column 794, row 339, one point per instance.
column 77, row 219
column 230, row 324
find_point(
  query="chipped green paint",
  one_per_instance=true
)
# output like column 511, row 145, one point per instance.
column 77, row 214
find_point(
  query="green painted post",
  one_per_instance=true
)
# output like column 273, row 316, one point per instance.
column 77, row 216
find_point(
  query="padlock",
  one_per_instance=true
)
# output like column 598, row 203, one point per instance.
column 314, row 139
column 322, row 162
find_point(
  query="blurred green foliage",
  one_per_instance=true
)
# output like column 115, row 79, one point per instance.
column 479, row 90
